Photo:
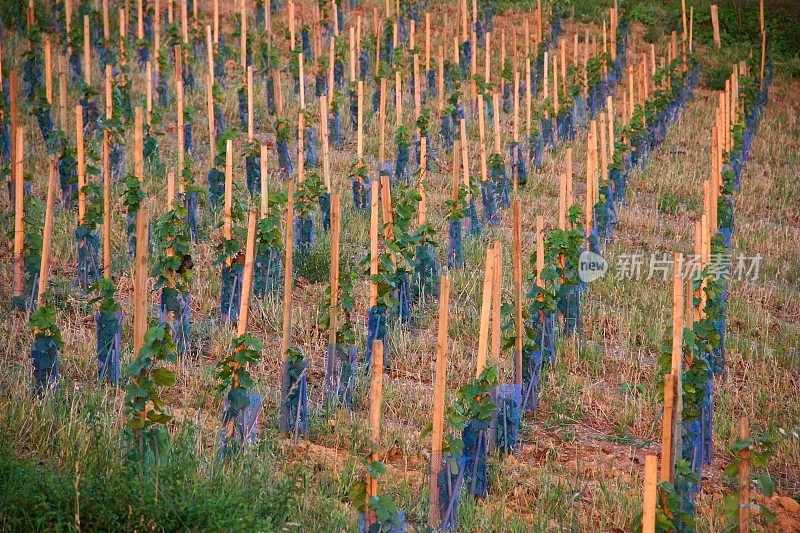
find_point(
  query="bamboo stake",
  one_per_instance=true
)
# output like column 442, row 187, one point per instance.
column 520, row 330
column 691, row 26
column 247, row 279
column 288, row 278
column 486, row 304
column 375, row 394
column 19, row 197
column 649, row 504
column 47, row 234
column 140, row 291
column 438, row 402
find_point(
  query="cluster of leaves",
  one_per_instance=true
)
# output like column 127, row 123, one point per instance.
column 230, row 248
column 345, row 331
column 402, row 137
column 283, row 131
column 359, row 170
column 457, row 207
column 383, row 506
column 562, row 251
column 509, row 329
column 668, row 508
column 43, row 323
column 147, row 375
column 105, row 295
column 268, row 232
column 93, row 192
column 133, row 194
column 233, row 373
column 174, row 245
column 307, row 193
column 758, row 449
column 406, row 235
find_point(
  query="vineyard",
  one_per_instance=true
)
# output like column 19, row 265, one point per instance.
column 285, row 265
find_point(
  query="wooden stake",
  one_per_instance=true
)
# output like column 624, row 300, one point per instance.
column 227, row 222
column 138, row 144
column 375, row 394
column 562, row 202
column 486, row 304
column 744, row 478
column 247, row 279
column 518, row 291
column 482, row 137
column 650, row 485
column 47, row 234
column 496, row 294
column 373, row 241
column 19, row 198
column 667, row 459
column 335, row 233
column 438, row 401
column 81, row 164
column 62, row 90
column 87, row 51
column 715, row 25
column 148, row 74
column 242, row 37
column 288, row 278
column 423, row 180
column 140, row 291
column 264, row 181
column 568, row 188
column 540, row 236
column 106, row 208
